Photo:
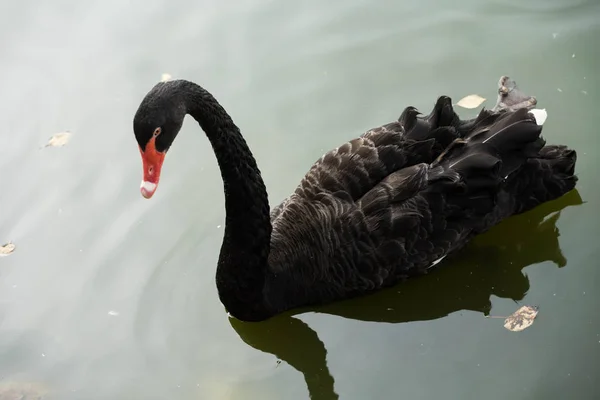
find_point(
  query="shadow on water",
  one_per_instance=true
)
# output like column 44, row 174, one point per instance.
column 491, row 265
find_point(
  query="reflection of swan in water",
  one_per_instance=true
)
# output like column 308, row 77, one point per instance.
column 468, row 285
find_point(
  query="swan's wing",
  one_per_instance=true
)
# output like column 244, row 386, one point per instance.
column 411, row 227
column 351, row 170
column 329, row 248
column 354, row 168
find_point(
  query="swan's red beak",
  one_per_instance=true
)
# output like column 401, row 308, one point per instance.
column 152, row 162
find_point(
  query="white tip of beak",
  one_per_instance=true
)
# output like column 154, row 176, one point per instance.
column 147, row 189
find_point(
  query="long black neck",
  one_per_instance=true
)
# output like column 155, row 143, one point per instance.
column 242, row 264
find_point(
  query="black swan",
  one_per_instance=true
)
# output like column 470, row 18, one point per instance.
column 381, row 208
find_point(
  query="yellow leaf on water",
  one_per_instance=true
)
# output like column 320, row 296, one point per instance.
column 521, row 319
column 165, row 77
column 59, row 140
column 470, row 101
column 7, row 249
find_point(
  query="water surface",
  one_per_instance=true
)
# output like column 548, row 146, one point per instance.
column 299, row 79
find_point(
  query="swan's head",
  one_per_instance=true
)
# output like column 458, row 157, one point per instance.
column 155, row 125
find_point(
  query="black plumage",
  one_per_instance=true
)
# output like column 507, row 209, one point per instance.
column 376, row 210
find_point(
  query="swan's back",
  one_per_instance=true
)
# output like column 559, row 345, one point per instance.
column 389, row 204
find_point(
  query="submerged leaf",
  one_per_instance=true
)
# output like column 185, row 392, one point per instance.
column 59, row 140
column 165, row 77
column 23, row 391
column 470, row 101
column 521, row 319
column 7, row 249
column 540, row 115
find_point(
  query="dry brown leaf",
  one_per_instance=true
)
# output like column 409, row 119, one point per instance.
column 470, row 101
column 521, row 319
column 7, row 249
column 59, row 140
column 165, row 77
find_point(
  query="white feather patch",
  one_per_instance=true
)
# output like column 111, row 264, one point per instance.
column 433, row 264
column 540, row 115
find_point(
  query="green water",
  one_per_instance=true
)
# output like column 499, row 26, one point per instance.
column 298, row 78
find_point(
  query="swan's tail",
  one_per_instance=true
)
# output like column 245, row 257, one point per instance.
column 492, row 151
column 482, row 177
column 545, row 177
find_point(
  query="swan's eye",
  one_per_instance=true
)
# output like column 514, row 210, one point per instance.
column 156, row 132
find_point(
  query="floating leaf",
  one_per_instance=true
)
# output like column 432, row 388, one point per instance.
column 521, row 319
column 7, row 249
column 165, row 77
column 59, row 140
column 470, row 101
column 540, row 115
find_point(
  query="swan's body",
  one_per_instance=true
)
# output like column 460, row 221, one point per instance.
column 376, row 210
